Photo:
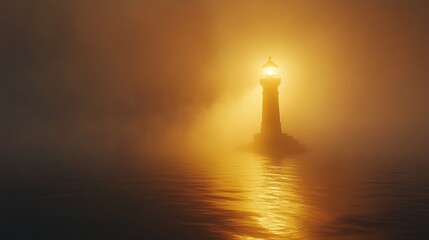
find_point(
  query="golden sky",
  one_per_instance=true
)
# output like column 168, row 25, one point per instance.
column 352, row 71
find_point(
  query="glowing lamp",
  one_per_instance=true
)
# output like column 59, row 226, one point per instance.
column 269, row 68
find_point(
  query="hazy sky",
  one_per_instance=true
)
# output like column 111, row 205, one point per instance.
column 91, row 74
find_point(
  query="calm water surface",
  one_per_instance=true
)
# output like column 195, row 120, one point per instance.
column 230, row 196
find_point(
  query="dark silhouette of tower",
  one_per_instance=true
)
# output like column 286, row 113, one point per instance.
column 270, row 125
column 271, row 139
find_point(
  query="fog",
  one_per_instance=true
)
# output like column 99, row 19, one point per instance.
column 176, row 76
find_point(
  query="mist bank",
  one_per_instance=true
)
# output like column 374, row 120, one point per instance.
column 164, row 77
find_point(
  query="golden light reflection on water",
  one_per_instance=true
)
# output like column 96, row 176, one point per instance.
column 269, row 191
column 277, row 201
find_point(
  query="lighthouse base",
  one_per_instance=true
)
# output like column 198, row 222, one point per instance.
column 277, row 144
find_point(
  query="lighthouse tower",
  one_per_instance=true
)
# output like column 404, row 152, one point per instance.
column 271, row 140
column 270, row 126
column 271, row 132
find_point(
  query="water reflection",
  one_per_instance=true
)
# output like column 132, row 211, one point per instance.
column 277, row 200
column 229, row 197
column 264, row 197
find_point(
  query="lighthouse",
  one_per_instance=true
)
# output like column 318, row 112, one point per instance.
column 270, row 125
column 271, row 139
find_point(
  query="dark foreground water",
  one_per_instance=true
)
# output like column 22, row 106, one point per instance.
column 227, row 196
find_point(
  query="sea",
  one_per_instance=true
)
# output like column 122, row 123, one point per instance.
column 225, row 196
